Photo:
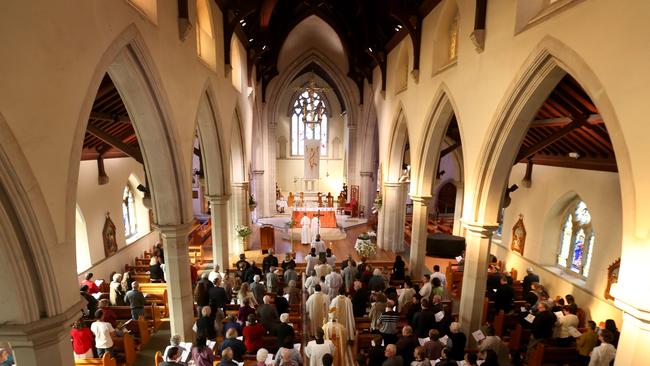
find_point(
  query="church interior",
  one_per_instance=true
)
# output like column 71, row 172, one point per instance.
column 176, row 141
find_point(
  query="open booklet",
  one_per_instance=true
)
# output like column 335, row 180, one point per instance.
column 478, row 335
column 423, row 340
column 439, row 316
column 530, row 318
column 187, row 351
column 444, row 340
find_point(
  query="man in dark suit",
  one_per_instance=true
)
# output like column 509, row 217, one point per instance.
column 268, row 316
column 503, row 296
column 529, row 279
column 269, row 261
column 406, row 344
column 285, row 332
column 424, row 320
column 205, row 325
column 217, row 297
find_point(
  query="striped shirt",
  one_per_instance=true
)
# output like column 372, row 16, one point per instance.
column 388, row 321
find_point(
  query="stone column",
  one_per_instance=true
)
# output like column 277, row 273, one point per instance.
column 258, row 193
column 367, row 191
column 393, row 217
column 179, row 283
column 269, row 176
column 635, row 337
column 421, row 206
column 220, row 238
column 478, row 239
column 458, row 210
column 353, row 173
column 239, row 214
column 42, row 342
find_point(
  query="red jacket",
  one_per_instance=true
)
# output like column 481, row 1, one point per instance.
column 253, row 336
column 82, row 340
column 92, row 287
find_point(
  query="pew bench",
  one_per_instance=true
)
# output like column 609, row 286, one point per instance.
column 106, row 360
column 550, row 355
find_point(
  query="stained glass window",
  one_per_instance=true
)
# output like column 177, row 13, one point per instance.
column 128, row 212
column 577, row 240
column 308, row 121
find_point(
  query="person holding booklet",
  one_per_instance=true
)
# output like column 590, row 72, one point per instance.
column 489, row 341
column 566, row 320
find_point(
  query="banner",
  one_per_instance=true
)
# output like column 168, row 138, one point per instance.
column 312, row 159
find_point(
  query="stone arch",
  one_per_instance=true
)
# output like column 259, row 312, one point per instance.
column 215, row 168
column 237, row 150
column 440, row 115
column 130, row 66
column 24, row 227
column 341, row 82
column 548, row 64
column 399, row 138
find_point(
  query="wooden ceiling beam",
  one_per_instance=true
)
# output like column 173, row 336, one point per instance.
column 115, row 142
column 605, row 165
column 550, row 139
column 577, row 96
column 106, row 117
column 594, row 119
column 449, row 149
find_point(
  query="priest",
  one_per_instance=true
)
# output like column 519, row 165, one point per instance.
column 338, row 334
column 305, row 234
column 317, row 305
column 342, row 307
column 315, row 226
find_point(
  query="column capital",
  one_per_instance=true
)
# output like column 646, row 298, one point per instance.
column 218, row 199
column 258, row 172
column 42, row 332
column 239, row 184
column 366, row 174
column 424, row 200
column 395, row 184
column 173, row 231
column 484, row 230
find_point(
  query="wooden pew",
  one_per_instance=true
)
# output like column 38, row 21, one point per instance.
column 156, row 292
column 550, row 355
column 152, row 312
column 106, row 360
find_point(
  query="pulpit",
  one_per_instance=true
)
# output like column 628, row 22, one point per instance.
column 267, row 238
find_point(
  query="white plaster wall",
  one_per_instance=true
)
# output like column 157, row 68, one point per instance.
column 95, row 200
column 543, row 207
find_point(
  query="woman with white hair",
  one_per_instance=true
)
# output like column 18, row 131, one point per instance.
column 175, row 341
column 117, row 293
column 457, row 342
column 377, row 282
column 261, row 356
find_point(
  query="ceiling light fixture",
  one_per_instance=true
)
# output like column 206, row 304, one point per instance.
column 370, row 49
column 574, row 155
column 250, row 40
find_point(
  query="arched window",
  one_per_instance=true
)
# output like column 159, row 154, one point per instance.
column 308, row 121
column 82, row 246
column 453, row 37
column 128, row 212
column 576, row 240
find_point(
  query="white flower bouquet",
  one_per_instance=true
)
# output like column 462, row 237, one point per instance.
column 364, row 246
column 243, row 230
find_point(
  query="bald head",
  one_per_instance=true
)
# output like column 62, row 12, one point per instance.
column 391, row 351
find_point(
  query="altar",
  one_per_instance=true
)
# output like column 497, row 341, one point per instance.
column 327, row 218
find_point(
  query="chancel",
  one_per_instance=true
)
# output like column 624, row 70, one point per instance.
column 324, row 182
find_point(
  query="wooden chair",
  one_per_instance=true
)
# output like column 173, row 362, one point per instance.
column 158, row 358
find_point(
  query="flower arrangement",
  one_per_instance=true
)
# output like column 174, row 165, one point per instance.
column 243, row 230
column 364, row 246
column 291, row 223
column 379, row 200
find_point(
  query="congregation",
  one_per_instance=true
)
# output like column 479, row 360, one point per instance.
column 354, row 313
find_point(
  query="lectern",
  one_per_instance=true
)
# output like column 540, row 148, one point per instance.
column 267, row 238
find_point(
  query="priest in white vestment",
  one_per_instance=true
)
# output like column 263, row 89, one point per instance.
column 334, row 282
column 318, row 245
column 305, row 230
column 317, row 306
column 337, row 333
column 342, row 307
column 315, row 227
column 322, row 269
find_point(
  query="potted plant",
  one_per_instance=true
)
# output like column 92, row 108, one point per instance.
column 364, row 246
column 378, row 202
column 243, row 232
column 251, row 202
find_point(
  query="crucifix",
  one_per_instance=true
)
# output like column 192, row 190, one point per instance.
column 318, row 215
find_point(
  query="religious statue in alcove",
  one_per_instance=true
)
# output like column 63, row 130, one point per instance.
column 518, row 236
column 108, row 234
column 612, row 278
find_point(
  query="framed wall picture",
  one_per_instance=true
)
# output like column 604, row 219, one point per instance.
column 108, row 234
column 518, row 236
